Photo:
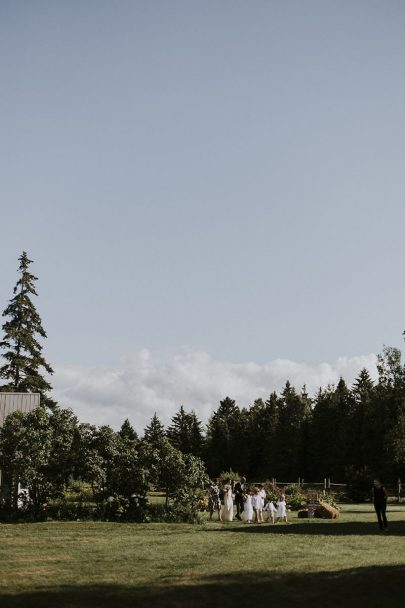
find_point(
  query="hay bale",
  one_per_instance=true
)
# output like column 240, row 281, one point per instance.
column 326, row 511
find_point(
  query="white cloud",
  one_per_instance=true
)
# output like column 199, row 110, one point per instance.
column 146, row 383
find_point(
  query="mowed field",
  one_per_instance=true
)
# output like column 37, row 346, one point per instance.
column 347, row 562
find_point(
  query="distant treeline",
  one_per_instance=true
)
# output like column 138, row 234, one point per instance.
column 343, row 432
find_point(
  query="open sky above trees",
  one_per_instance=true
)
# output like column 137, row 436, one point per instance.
column 211, row 194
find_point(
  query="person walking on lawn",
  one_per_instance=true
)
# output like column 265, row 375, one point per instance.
column 380, row 503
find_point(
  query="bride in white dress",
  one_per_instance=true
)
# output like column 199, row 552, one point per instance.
column 247, row 514
column 227, row 509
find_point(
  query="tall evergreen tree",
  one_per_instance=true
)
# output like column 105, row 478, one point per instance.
column 323, row 426
column 332, row 432
column 155, row 431
column 388, row 411
column 23, row 353
column 303, row 460
column 185, row 432
column 220, row 429
column 127, row 431
column 271, row 415
column 363, row 428
column 256, row 436
column 293, row 410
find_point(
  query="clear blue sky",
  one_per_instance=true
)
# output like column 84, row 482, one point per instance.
column 217, row 175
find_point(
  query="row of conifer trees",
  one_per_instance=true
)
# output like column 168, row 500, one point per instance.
column 341, row 433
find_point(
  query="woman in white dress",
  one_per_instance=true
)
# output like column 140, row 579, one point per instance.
column 227, row 509
column 247, row 514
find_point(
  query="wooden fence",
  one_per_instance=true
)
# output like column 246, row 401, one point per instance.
column 328, row 486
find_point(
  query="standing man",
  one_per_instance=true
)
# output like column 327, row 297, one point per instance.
column 239, row 489
column 380, row 503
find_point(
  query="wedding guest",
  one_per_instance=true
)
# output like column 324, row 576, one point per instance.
column 271, row 510
column 380, row 503
column 262, row 494
column 227, row 509
column 257, row 505
column 247, row 514
column 214, row 501
column 282, row 509
column 238, row 489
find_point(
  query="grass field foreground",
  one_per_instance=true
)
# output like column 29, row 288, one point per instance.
column 347, row 562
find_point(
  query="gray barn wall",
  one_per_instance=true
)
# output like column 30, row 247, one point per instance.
column 17, row 402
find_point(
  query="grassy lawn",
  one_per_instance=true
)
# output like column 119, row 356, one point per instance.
column 347, row 562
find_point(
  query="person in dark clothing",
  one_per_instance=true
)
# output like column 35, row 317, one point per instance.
column 239, row 491
column 380, row 503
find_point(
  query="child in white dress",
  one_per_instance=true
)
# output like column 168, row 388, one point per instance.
column 282, row 509
column 257, row 505
column 271, row 509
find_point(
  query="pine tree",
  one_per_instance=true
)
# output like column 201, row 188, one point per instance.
column 363, row 427
column 293, row 411
column 155, row 431
column 127, row 431
column 185, row 432
column 226, row 445
column 24, row 361
column 257, row 432
column 270, row 422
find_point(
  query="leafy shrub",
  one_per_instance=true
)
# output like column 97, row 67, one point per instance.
column 272, row 494
column 342, row 496
column 329, row 499
column 174, row 513
column 186, row 505
column 121, row 508
column 26, row 510
column 78, row 491
column 294, row 497
column 61, row 509
column 157, row 512
column 226, row 475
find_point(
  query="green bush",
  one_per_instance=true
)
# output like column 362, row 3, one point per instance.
column 294, row 497
column 329, row 499
column 61, row 509
column 225, row 475
column 186, row 506
column 121, row 508
column 78, row 491
column 174, row 513
column 157, row 512
column 272, row 494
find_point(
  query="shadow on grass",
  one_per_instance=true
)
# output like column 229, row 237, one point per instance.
column 360, row 587
column 314, row 527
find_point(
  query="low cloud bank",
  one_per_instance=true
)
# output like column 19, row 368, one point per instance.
column 147, row 382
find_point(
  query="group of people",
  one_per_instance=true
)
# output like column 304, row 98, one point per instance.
column 250, row 503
